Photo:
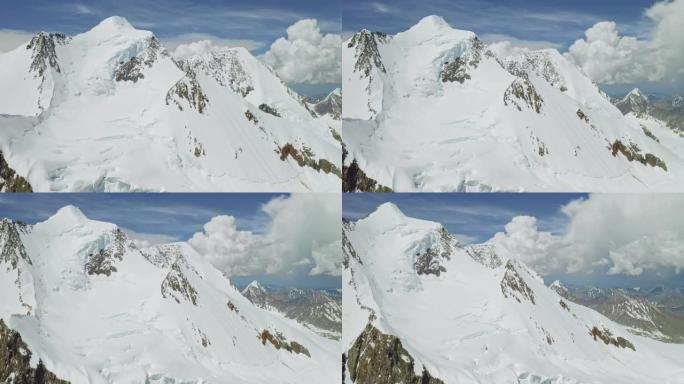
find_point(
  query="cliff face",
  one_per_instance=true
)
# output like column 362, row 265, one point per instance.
column 15, row 357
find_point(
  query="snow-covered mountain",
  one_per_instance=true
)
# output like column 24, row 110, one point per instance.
column 331, row 105
column 94, row 308
column 317, row 309
column 635, row 102
column 667, row 112
column 435, row 109
column 111, row 110
column 638, row 312
column 419, row 307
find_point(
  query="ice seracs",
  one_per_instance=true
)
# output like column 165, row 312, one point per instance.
column 93, row 307
column 486, row 318
column 88, row 109
column 433, row 108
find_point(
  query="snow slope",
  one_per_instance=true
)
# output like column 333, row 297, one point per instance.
column 96, row 309
column 478, row 315
column 111, row 110
column 434, row 109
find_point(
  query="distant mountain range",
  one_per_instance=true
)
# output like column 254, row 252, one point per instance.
column 319, row 309
column 657, row 313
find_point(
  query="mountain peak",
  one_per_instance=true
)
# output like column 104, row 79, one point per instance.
column 115, row 23
column 388, row 210
column 254, row 284
column 433, row 21
column 70, row 212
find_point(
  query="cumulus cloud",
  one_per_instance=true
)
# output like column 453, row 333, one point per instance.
column 607, row 57
column 304, row 233
column 11, row 39
column 306, row 56
column 191, row 44
column 144, row 240
column 614, row 234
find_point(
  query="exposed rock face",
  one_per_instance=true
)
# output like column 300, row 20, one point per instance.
column 132, row 70
column 188, row 90
column 521, row 93
column 44, row 53
column 368, row 56
column 305, row 158
column 457, row 70
column 9, row 180
column 225, row 67
column 537, row 63
column 177, row 286
column 278, row 341
column 11, row 247
column 377, row 358
column 348, row 251
column 430, row 261
column 635, row 102
column 607, row 337
column 485, row 255
column 102, row 263
column 354, row 179
column 513, row 285
column 331, row 105
column 270, row 110
column 15, row 361
column 633, row 153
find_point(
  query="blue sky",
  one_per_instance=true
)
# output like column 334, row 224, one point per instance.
column 477, row 217
column 534, row 23
column 260, row 22
column 164, row 218
column 251, row 24
column 474, row 216
column 556, row 22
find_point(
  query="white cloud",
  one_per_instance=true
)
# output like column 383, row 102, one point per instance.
column 197, row 43
column 610, row 58
column 608, row 233
column 304, row 232
column 11, row 39
column 306, row 56
column 504, row 45
column 144, row 240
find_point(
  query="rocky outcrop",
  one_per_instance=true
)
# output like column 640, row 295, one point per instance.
column 633, row 153
column 430, row 261
column 188, row 90
column 15, row 361
column 10, row 181
column 132, row 70
column 367, row 54
column 534, row 62
column 225, row 67
column 484, row 254
column 521, row 93
column 348, row 251
column 305, row 158
column 513, row 285
column 354, row 179
column 44, row 51
column 177, row 286
column 457, row 70
column 270, row 110
column 278, row 341
column 11, row 247
column 606, row 336
column 102, row 262
column 378, row 358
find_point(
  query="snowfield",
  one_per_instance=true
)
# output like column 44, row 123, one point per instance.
column 97, row 309
column 112, row 110
column 475, row 314
column 435, row 109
